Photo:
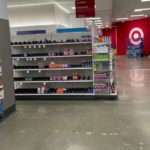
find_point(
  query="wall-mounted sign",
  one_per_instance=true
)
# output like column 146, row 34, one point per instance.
column 85, row 8
column 136, row 35
column 31, row 32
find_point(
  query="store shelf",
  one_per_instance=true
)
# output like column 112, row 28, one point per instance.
column 46, row 57
column 56, row 69
column 51, row 44
column 101, row 60
column 73, row 81
column 73, row 94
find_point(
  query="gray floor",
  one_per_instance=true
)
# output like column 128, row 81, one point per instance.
column 86, row 125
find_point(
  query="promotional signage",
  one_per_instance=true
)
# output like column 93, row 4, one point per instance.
column 135, row 35
column 85, row 8
column 31, row 32
column 135, row 43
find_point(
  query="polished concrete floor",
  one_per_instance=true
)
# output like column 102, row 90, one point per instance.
column 86, row 125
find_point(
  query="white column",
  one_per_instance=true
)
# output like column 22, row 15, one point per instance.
column 3, row 10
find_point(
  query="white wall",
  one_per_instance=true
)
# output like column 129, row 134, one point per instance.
column 76, row 22
column 30, row 16
column 3, row 9
column 61, row 17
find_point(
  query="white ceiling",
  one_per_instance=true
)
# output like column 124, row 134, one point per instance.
column 108, row 10
column 103, row 7
column 125, row 8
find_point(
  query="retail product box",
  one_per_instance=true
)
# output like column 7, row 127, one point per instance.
column 100, row 48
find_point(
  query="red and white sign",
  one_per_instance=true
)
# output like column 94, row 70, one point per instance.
column 85, row 8
column 135, row 35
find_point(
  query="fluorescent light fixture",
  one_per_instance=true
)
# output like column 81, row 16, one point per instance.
column 39, row 24
column 61, row 7
column 40, row 4
column 98, row 18
column 140, row 15
column 141, row 9
column 96, row 21
column 122, row 19
column 99, row 23
column 145, row 0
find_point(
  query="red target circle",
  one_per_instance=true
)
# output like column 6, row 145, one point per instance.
column 136, row 35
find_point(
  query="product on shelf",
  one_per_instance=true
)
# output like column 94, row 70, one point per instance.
column 67, row 52
column 46, row 41
column 41, row 65
column 86, row 38
column 75, row 76
column 43, row 90
column 103, row 87
column 101, row 77
column 101, row 57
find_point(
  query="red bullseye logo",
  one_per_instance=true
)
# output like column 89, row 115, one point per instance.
column 136, row 35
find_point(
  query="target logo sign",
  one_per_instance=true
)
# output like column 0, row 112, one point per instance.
column 135, row 35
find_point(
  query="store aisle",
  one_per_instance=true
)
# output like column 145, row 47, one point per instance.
column 86, row 125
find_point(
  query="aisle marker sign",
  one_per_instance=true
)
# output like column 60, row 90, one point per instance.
column 85, row 8
column 135, row 35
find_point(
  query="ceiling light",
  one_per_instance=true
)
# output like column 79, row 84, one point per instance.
column 93, row 20
column 98, row 18
column 99, row 23
column 140, row 15
column 141, row 9
column 61, row 7
column 145, row 0
column 39, row 4
column 122, row 19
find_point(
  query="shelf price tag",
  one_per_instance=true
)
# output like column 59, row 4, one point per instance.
column 20, row 83
column 44, row 58
column 29, row 46
column 34, row 59
column 39, row 46
column 28, row 72
column 18, row 59
column 39, row 71
column 25, row 46
column 34, row 46
column 43, row 46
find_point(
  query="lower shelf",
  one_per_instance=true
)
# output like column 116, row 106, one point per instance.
column 74, row 94
column 70, row 97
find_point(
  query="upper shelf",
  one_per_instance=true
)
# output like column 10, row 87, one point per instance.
column 45, row 57
column 51, row 44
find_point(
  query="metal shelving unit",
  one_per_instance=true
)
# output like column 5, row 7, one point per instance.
column 84, row 71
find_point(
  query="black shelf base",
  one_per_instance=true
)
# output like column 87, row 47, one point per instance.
column 67, row 98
